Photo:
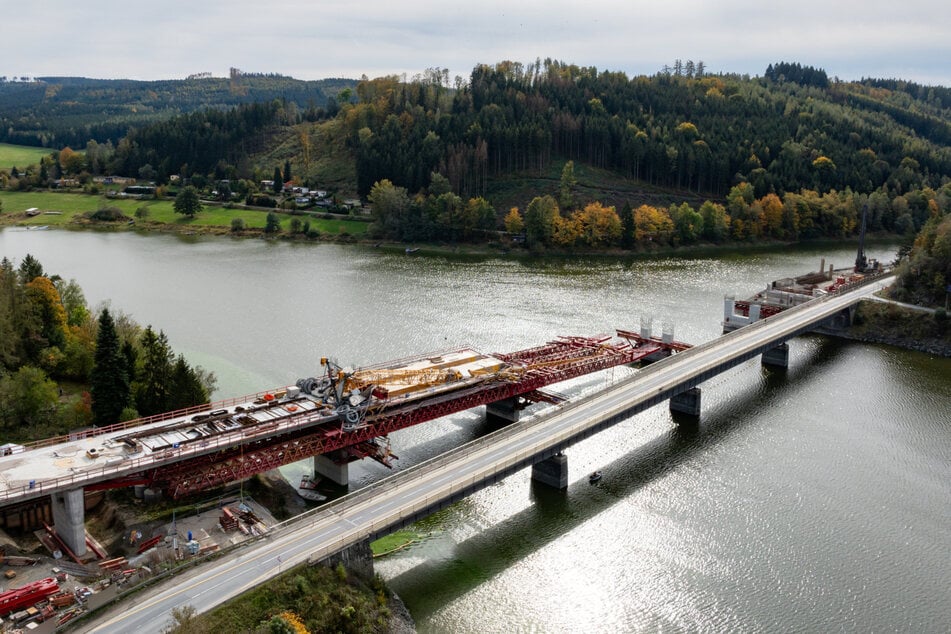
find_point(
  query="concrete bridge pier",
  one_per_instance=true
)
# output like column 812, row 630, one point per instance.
column 69, row 516
column 687, row 402
column 552, row 471
column 334, row 466
column 508, row 410
column 777, row 357
column 838, row 322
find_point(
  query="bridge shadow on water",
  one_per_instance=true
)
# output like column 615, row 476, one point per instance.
column 435, row 582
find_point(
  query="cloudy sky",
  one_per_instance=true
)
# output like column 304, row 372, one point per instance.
column 315, row 39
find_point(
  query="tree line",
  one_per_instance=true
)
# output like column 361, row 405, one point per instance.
column 564, row 221
column 64, row 366
column 55, row 112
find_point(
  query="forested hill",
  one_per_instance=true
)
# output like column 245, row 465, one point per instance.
column 680, row 131
column 70, row 111
column 683, row 129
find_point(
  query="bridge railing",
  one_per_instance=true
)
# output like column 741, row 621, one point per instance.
column 92, row 432
column 114, row 466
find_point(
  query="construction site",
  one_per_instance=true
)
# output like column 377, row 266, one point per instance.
column 336, row 417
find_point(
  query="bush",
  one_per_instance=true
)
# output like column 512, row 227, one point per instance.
column 273, row 223
column 108, row 214
column 260, row 200
column 142, row 213
column 237, row 224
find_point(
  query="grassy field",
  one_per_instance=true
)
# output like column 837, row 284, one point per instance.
column 20, row 156
column 68, row 209
column 394, row 542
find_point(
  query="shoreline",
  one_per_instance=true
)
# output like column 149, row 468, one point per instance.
column 900, row 326
column 488, row 249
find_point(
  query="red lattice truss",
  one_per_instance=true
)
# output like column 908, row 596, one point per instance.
column 556, row 361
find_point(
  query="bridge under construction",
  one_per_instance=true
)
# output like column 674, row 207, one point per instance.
column 339, row 416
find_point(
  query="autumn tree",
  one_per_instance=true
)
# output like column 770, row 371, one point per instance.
column 600, row 226
column 71, row 162
column 513, row 221
column 772, row 213
column 566, row 231
column 652, row 224
column 48, row 306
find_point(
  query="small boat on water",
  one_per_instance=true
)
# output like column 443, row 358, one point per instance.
column 594, row 477
column 308, row 489
column 38, row 228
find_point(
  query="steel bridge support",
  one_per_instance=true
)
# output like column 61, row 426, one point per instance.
column 552, row 471
column 334, row 466
column 69, row 515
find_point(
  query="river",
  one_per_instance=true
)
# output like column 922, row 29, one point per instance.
column 813, row 499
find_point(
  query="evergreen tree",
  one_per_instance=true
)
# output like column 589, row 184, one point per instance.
column 187, row 389
column 627, row 226
column 154, row 384
column 109, row 382
column 30, row 269
column 278, row 181
column 287, row 171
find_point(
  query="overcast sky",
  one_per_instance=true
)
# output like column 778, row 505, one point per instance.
column 316, row 39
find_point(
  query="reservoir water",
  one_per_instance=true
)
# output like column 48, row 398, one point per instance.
column 815, row 499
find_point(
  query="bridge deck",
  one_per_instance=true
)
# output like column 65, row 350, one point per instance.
column 209, row 446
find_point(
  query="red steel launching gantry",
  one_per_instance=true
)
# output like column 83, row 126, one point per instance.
column 351, row 412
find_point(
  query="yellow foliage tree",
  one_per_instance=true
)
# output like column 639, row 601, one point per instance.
column 653, row 224
column 48, row 305
column 513, row 221
column 566, row 232
column 772, row 208
column 599, row 225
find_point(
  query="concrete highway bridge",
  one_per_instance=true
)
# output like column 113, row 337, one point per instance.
column 409, row 495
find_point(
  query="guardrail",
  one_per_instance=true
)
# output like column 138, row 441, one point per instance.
column 92, row 432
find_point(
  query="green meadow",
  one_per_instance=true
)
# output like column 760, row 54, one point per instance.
column 70, row 209
column 20, row 156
